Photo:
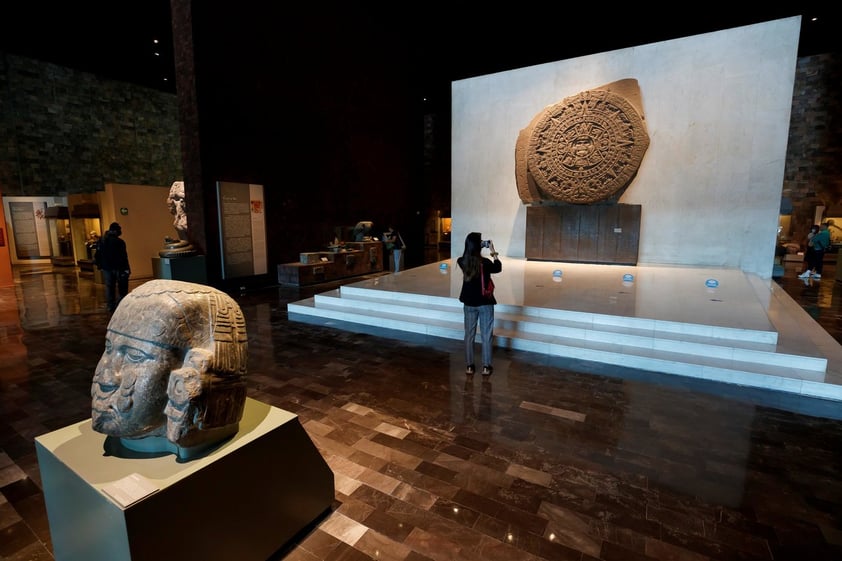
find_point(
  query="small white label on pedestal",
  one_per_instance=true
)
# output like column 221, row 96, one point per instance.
column 130, row 489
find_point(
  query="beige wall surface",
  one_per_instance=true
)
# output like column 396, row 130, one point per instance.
column 717, row 108
column 147, row 222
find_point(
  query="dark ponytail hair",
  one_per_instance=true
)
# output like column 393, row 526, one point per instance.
column 471, row 257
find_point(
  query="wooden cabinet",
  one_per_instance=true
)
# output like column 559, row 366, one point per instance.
column 583, row 233
column 300, row 274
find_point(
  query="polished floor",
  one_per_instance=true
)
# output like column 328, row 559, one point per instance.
column 549, row 458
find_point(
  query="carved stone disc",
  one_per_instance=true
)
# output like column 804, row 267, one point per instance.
column 587, row 147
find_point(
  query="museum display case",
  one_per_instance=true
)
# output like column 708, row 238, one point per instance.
column 86, row 228
column 341, row 260
column 61, row 240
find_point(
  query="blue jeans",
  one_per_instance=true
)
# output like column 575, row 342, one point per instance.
column 116, row 287
column 396, row 259
column 484, row 315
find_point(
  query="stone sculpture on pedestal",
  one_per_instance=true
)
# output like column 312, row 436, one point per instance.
column 574, row 162
column 177, row 203
column 172, row 375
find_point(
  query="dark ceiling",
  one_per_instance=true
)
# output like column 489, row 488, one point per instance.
column 115, row 38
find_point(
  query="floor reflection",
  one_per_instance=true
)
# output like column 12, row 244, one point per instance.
column 549, row 458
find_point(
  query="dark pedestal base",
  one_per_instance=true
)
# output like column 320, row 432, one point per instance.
column 244, row 500
column 188, row 269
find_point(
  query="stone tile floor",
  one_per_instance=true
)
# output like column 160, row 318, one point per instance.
column 548, row 458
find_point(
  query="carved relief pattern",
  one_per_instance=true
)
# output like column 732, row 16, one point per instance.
column 585, row 148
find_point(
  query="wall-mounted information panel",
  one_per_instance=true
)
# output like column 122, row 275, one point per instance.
column 242, row 229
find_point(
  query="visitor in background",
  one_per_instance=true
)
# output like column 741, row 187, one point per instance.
column 114, row 263
column 809, row 254
column 821, row 243
column 395, row 248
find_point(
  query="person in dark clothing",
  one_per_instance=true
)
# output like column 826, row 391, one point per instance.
column 114, row 263
column 809, row 253
column 821, row 243
column 394, row 249
column 476, row 274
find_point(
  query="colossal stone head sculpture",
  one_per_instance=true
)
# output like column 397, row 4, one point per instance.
column 172, row 376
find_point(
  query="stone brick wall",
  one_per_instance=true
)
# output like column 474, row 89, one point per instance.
column 813, row 174
column 64, row 131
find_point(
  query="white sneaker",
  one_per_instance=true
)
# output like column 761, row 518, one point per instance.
column 816, row 276
column 804, row 275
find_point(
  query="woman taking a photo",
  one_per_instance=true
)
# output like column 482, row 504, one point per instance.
column 478, row 301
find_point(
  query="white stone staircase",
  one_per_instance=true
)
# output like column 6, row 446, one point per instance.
column 748, row 357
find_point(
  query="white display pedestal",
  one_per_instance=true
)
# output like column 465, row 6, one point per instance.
column 243, row 500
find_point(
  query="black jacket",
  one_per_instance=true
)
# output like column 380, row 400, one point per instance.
column 471, row 294
column 114, row 254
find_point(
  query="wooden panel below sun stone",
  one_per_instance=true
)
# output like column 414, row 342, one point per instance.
column 584, row 234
